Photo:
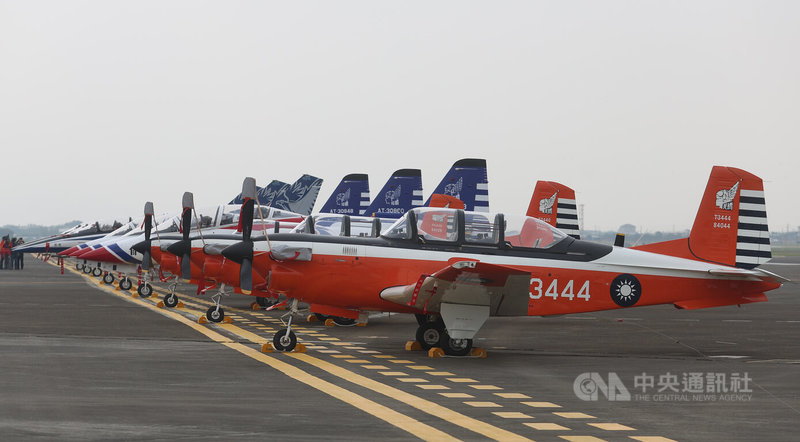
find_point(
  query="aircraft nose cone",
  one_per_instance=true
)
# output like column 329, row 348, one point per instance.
column 82, row 252
column 100, row 254
column 69, row 251
column 140, row 247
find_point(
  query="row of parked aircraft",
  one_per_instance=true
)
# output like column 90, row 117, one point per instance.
column 447, row 260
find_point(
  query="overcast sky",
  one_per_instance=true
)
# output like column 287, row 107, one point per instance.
column 105, row 105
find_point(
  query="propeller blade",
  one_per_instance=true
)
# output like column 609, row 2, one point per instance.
column 246, row 276
column 148, row 226
column 186, row 246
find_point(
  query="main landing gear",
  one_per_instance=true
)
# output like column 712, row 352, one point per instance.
column 285, row 339
column 433, row 333
column 125, row 284
column 108, row 278
column 215, row 312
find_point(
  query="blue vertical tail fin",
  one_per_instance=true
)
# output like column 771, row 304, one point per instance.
column 265, row 194
column 299, row 197
column 401, row 193
column 351, row 196
column 466, row 181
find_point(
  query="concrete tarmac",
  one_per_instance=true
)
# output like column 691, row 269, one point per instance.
column 82, row 361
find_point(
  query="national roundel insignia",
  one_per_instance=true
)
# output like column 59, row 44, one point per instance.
column 626, row 290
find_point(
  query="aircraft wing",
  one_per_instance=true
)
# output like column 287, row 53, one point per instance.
column 504, row 290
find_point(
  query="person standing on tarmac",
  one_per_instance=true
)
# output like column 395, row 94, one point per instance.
column 20, row 264
column 5, row 252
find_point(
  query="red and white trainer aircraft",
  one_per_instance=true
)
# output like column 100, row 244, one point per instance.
column 454, row 269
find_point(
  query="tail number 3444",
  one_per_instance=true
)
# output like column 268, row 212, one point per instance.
column 552, row 291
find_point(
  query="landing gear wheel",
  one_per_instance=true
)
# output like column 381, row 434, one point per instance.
column 87, row 269
column 79, row 266
column 455, row 347
column 343, row 321
column 215, row 314
column 97, row 271
column 321, row 317
column 145, row 290
column 170, row 300
column 264, row 302
column 284, row 341
column 108, row 278
column 125, row 284
column 429, row 335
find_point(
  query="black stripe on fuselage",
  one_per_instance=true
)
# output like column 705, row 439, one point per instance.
column 568, row 249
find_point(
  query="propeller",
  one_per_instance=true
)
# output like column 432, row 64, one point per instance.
column 183, row 248
column 144, row 246
column 242, row 252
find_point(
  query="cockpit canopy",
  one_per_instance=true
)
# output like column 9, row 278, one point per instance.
column 332, row 224
column 440, row 225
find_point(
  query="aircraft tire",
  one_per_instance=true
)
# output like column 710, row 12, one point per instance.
column 343, row 322
column 87, row 269
column 145, row 290
column 321, row 317
column 429, row 335
column 264, row 302
column 170, row 300
column 97, row 271
column 455, row 347
column 125, row 284
column 283, row 341
column 215, row 314
column 79, row 266
column 108, row 278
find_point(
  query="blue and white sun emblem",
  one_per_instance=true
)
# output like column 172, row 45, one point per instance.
column 625, row 290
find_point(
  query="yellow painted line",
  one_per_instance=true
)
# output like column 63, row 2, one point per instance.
column 409, row 380
column 375, row 367
column 461, row 380
column 483, row 404
column 401, row 361
column 433, row 387
column 541, row 404
column 393, row 373
column 341, row 356
column 441, row 373
column 368, row 351
column 612, row 426
column 357, row 361
column 384, row 356
column 328, row 339
column 457, row 395
column 485, row 387
column 334, row 343
column 573, row 415
column 252, row 337
column 513, row 395
column 354, row 348
column 512, row 415
column 326, row 351
column 413, row 426
column 545, row 426
column 432, row 408
column 582, row 438
column 651, row 439
column 420, row 367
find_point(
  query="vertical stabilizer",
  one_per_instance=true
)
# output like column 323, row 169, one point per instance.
column 731, row 224
column 351, row 196
column 554, row 203
column 468, row 182
column 401, row 193
column 299, row 197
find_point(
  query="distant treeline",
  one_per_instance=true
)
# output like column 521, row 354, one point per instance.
column 35, row 231
column 637, row 239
